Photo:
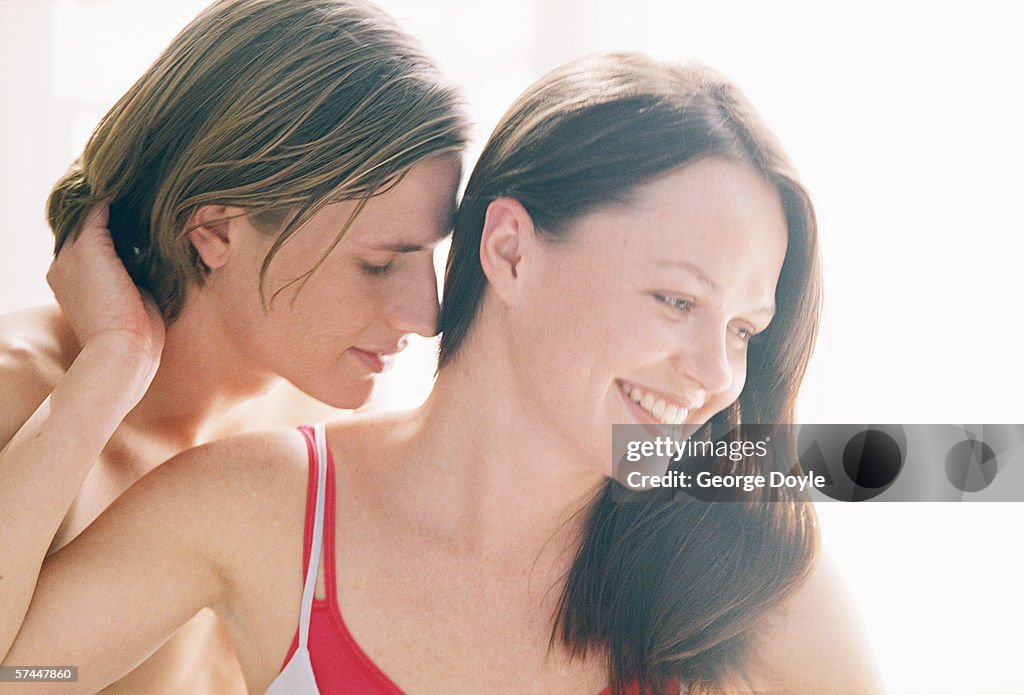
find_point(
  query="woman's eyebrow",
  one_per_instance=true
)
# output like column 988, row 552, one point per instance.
column 697, row 272
column 400, row 247
column 412, row 247
column 405, row 246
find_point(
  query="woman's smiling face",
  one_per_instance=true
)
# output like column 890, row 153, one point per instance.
column 643, row 311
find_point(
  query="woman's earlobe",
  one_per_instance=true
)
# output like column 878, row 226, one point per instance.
column 508, row 227
column 209, row 234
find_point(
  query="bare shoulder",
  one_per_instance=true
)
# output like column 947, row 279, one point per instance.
column 203, row 529
column 38, row 339
column 250, row 467
column 249, row 518
column 36, row 348
column 224, row 487
column 232, row 496
column 814, row 642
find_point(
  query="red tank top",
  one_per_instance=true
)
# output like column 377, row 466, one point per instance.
column 339, row 664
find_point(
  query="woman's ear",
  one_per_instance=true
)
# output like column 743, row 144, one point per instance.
column 212, row 233
column 508, row 231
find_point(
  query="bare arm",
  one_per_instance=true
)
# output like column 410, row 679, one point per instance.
column 217, row 526
column 43, row 465
column 112, row 596
column 814, row 643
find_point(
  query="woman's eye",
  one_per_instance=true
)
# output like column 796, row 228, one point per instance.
column 677, row 303
column 746, row 334
column 377, row 270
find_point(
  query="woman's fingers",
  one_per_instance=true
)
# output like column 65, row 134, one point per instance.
column 97, row 217
column 98, row 296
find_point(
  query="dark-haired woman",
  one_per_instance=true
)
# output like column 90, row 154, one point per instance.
column 632, row 247
column 276, row 183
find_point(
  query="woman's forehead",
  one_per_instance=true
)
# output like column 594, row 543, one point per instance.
column 714, row 208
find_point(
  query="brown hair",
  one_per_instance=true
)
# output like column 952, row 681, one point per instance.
column 276, row 107
column 666, row 587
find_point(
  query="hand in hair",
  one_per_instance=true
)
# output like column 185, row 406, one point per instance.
column 50, row 451
column 99, row 298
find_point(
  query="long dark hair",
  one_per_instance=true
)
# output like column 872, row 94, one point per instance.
column 667, row 586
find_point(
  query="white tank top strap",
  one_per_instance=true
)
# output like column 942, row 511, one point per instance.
column 297, row 678
column 316, row 547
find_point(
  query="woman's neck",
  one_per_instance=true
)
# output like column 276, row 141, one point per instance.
column 200, row 379
column 496, row 470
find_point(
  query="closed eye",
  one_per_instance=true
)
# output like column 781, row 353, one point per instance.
column 376, row 270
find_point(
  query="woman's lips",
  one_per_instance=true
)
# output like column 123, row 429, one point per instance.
column 661, row 407
column 377, row 362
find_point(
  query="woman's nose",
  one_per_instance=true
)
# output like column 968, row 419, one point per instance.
column 414, row 307
column 705, row 360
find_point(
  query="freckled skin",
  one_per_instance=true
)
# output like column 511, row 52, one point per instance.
column 469, row 502
column 613, row 288
column 223, row 349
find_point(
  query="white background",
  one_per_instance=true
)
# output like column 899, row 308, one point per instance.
column 905, row 121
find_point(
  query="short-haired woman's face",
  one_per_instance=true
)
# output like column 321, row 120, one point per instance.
column 333, row 334
column 644, row 313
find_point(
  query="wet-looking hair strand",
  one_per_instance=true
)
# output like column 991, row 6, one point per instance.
column 276, row 107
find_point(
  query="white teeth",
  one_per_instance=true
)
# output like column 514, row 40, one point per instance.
column 659, row 409
column 665, row 413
